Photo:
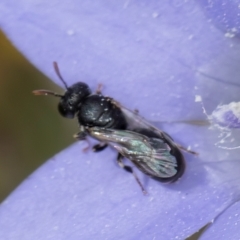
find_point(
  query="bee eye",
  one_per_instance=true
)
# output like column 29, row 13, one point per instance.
column 70, row 103
column 66, row 110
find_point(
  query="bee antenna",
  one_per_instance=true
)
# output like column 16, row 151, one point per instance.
column 55, row 65
column 45, row 92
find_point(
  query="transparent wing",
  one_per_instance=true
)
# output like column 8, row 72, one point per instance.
column 150, row 155
column 158, row 162
column 139, row 124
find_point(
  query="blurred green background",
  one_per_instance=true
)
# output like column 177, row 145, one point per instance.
column 31, row 130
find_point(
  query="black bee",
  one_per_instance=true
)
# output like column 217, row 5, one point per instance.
column 151, row 150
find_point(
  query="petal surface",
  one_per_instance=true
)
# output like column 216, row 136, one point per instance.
column 159, row 57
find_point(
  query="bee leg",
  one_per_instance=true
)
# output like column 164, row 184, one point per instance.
column 82, row 136
column 169, row 139
column 99, row 147
column 130, row 170
column 186, row 150
column 99, row 89
column 136, row 111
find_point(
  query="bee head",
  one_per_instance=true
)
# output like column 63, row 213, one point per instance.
column 72, row 98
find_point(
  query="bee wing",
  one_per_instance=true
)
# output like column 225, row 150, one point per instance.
column 150, row 155
column 139, row 124
column 160, row 164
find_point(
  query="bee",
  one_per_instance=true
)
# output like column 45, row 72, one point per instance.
column 151, row 150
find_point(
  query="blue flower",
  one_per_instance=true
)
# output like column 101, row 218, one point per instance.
column 160, row 57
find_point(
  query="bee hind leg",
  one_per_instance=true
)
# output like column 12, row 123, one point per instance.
column 187, row 150
column 130, row 170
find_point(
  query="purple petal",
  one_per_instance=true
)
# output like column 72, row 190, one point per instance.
column 151, row 55
column 226, row 225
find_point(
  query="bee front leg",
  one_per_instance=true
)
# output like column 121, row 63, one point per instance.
column 82, row 135
column 130, row 170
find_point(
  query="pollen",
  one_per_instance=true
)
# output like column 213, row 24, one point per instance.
column 227, row 115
